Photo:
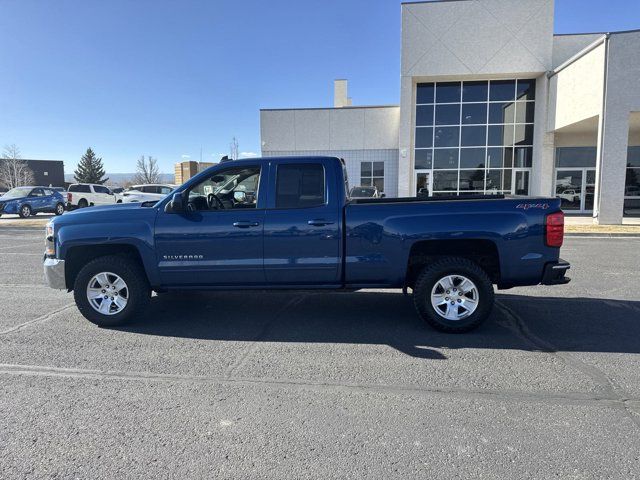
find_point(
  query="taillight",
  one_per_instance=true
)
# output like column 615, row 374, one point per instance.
column 69, row 197
column 554, row 229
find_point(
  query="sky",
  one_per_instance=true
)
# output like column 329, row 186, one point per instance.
column 179, row 79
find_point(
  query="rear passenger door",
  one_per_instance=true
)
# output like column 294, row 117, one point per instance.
column 50, row 199
column 102, row 195
column 37, row 200
column 302, row 231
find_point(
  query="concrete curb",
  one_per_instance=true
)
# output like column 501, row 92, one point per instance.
column 602, row 235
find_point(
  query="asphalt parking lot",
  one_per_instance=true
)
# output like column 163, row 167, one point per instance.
column 323, row 385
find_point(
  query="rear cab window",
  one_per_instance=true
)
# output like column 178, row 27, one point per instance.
column 300, row 186
column 80, row 188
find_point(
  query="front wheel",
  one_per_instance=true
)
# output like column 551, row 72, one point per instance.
column 453, row 295
column 111, row 290
column 25, row 211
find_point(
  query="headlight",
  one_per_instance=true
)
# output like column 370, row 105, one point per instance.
column 49, row 242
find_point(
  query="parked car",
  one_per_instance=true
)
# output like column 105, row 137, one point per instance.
column 81, row 195
column 365, row 192
column 423, row 193
column 145, row 193
column 27, row 201
column 569, row 195
column 288, row 223
column 117, row 192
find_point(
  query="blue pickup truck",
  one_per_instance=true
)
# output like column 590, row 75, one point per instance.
column 287, row 223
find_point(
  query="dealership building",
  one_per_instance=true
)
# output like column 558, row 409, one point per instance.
column 491, row 101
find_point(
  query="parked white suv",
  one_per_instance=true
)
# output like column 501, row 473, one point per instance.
column 80, row 195
column 145, row 193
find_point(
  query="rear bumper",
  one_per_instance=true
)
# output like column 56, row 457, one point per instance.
column 54, row 273
column 554, row 273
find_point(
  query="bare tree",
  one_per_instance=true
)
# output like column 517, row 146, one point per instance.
column 147, row 170
column 14, row 172
column 233, row 149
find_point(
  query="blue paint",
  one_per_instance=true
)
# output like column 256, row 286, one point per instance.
column 340, row 244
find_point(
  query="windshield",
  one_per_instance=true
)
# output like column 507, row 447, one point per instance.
column 17, row 193
column 362, row 192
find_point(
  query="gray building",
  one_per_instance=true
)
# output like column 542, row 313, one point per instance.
column 46, row 172
column 491, row 101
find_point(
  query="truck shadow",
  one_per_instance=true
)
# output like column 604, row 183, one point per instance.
column 517, row 322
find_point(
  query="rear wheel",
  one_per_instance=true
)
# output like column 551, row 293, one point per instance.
column 25, row 211
column 83, row 203
column 453, row 295
column 59, row 209
column 111, row 290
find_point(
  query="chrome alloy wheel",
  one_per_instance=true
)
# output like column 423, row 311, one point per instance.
column 107, row 293
column 454, row 297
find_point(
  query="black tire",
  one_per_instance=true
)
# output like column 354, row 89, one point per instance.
column 432, row 274
column 59, row 209
column 83, row 203
column 133, row 275
column 25, row 211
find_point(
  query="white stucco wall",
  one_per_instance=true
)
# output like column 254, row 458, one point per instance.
column 467, row 40
column 577, row 139
column 566, row 46
column 356, row 134
column 622, row 98
column 350, row 128
column 576, row 92
column 474, row 37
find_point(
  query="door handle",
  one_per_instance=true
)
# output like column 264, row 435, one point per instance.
column 246, row 224
column 319, row 223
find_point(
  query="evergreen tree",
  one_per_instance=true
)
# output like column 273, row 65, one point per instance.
column 90, row 169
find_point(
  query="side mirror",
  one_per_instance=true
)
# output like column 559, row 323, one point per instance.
column 176, row 205
column 240, row 197
column 383, row 195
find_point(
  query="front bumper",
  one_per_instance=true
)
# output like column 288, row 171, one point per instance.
column 554, row 273
column 54, row 273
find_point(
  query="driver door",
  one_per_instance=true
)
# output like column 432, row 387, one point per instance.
column 219, row 242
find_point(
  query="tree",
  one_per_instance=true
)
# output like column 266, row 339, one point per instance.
column 90, row 169
column 147, row 170
column 14, row 172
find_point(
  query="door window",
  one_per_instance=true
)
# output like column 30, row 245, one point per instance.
column 569, row 189
column 422, row 184
column 300, row 186
column 226, row 190
column 101, row 189
column 521, row 185
column 37, row 192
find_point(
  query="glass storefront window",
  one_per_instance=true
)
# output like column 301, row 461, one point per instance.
column 372, row 174
column 576, row 157
column 445, row 181
column 632, row 183
column 465, row 128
